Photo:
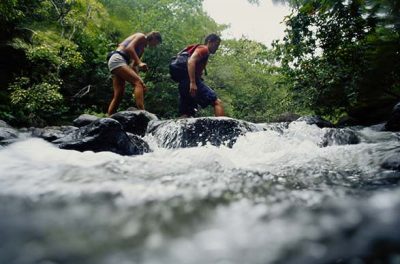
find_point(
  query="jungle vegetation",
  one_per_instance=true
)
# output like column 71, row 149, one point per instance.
column 338, row 58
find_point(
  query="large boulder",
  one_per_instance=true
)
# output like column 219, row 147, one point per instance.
column 84, row 120
column 334, row 136
column 7, row 133
column 193, row 132
column 105, row 134
column 4, row 124
column 134, row 122
column 315, row 120
column 52, row 133
column 393, row 124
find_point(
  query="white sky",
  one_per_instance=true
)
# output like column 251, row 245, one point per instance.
column 256, row 22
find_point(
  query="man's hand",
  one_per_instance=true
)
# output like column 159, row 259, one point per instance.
column 143, row 67
column 193, row 89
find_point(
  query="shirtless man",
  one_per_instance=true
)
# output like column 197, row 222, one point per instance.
column 192, row 90
column 123, row 64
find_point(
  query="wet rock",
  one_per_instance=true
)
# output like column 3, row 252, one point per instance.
column 392, row 162
column 315, row 120
column 4, row 124
column 51, row 133
column 7, row 135
column 192, row 132
column 339, row 137
column 393, row 124
column 84, row 120
column 134, row 122
column 139, row 142
column 277, row 127
column 378, row 127
column 105, row 134
column 132, row 109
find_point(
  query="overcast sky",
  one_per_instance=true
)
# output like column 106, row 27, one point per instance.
column 256, row 22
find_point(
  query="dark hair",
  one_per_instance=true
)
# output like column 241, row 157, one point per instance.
column 154, row 35
column 212, row 38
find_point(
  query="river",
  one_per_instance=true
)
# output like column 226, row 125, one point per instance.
column 274, row 197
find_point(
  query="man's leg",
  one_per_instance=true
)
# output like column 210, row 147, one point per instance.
column 206, row 96
column 219, row 108
column 125, row 72
column 119, row 89
column 187, row 104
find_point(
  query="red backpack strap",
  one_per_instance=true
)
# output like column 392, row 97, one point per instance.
column 190, row 49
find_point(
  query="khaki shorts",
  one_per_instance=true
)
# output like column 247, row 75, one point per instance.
column 116, row 61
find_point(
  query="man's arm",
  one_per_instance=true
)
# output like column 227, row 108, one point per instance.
column 192, row 72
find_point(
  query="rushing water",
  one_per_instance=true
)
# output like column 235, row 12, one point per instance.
column 275, row 197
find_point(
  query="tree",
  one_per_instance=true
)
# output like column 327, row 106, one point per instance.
column 343, row 56
column 250, row 85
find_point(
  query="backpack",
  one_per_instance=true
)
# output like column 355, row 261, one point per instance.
column 178, row 68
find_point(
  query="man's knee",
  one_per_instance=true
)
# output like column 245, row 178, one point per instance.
column 218, row 102
column 118, row 96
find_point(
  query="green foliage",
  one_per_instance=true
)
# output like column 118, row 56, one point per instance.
column 50, row 49
column 31, row 103
column 244, row 75
column 65, row 43
column 94, row 111
column 342, row 54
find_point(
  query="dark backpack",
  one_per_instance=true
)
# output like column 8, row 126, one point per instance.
column 178, row 68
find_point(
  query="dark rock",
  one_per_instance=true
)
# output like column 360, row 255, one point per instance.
column 192, row 132
column 4, row 124
column 105, row 134
column 287, row 117
column 132, row 109
column 7, row 135
column 84, row 120
column 277, row 127
column 138, row 141
column 378, row 127
column 52, row 133
column 393, row 124
column 339, row 137
column 134, row 122
column 392, row 162
column 315, row 120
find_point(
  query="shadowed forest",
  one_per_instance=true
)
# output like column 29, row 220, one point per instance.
column 338, row 59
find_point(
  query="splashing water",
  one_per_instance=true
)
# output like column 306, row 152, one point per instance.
column 277, row 196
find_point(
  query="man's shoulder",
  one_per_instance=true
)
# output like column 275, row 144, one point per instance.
column 202, row 50
column 202, row 47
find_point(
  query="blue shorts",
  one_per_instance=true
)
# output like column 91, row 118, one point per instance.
column 187, row 104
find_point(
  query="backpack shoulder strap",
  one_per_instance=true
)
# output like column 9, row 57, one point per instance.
column 193, row 48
